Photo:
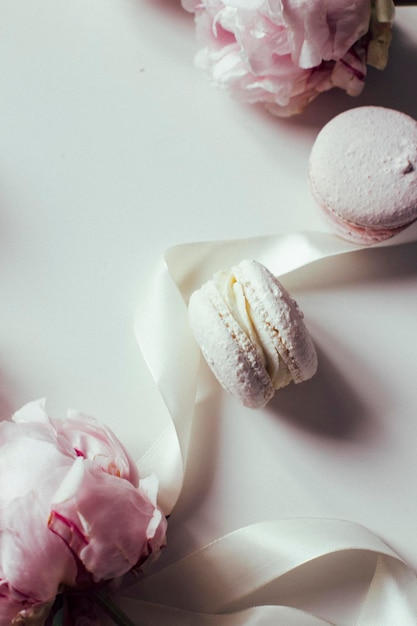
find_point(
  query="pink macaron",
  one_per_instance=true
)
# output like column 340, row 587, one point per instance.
column 363, row 173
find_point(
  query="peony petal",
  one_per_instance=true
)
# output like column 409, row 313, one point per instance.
column 149, row 487
column 190, row 5
column 34, row 562
column 246, row 5
column 116, row 521
column 80, row 464
column 282, row 53
column 324, row 29
column 88, row 438
column 32, row 412
column 26, row 461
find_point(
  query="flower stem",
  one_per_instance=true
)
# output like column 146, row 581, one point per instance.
column 112, row 610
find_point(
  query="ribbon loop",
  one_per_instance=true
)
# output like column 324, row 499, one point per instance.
column 239, row 578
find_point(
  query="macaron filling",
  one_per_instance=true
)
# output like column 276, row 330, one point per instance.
column 233, row 294
column 251, row 333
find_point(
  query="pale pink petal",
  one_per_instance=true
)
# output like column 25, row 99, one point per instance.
column 190, row 5
column 108, row 523
column 32, row 412
column 88, row 438
column 28, row 456
column 324, row 29
column 282, row 53
column 349, row 73
column 34, row 562
column 103, row 522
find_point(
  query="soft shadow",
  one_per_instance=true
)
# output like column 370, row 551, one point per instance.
column 372, row 265
column 6, row 408
column 202, row 454
column 326, row 582
column 325, row 405
column 201, row 467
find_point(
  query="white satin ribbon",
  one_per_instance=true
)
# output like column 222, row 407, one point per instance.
column 224, row 582
column 220, row 584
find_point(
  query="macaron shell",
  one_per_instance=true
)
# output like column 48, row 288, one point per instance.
column 228, row 351
column 363, row 169
column 359, row 234
column 277, row 313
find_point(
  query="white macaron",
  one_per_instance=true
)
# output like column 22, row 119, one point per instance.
column 251, row 333
column 363, row 173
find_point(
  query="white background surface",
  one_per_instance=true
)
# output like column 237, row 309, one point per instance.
column 114, row 147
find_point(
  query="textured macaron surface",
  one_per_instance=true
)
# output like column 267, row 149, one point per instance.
column 279, row 322
column 229, row 351
column 363, row 167
column 251, row 333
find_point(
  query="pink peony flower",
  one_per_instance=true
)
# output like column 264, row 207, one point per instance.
column 73, row 511
column 283, row 53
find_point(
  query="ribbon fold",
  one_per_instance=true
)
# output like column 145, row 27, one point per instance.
column 240, row 579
